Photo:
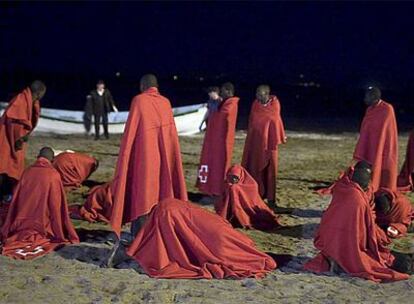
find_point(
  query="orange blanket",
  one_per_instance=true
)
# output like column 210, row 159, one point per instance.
column 400, row 215
column 405, row 179
column 74, row 168
column 264, row 134
column 217, row 151
column 149, row 166
column 183, row 241
column 38, row 219
column 242, row 205
column 18, row 120
column 98, row 205
column 378, row 145
column 349, row 236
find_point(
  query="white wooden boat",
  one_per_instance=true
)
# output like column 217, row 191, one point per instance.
column 187, row 120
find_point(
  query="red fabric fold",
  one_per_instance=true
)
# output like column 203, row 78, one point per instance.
column 149, row 166
column 264, row 134
column 38, row 219
column 400, row 215
column 242, row 205
column 349, row 235
column 18, row 120
column 405, row 180
column 98, row 205
column 217, row 151
column 74, row 168
column 378, row 145
column 183, row 241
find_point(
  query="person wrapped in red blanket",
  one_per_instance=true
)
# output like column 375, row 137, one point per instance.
column 217, row 151
column 265, row 133
column 241, row 203
column 348, row 237
column 16, row 124
column 405, row 179
column 98, row 205
column 378, row 141
column 183, row 241
column 394, row 212
column 74, row 167
column 37, row 221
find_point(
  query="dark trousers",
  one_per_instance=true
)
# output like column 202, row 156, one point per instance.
column 98, row 117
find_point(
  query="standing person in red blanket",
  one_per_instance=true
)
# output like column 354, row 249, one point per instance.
column 265, row 133
column 405, row 179
column 149, row 166
column 16, row 124
column 217, row 151
column 348, row 238
column 378, row 141
column 394, row 212
column 38, row 220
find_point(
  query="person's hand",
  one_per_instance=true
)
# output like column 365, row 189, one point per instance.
column 115, row 109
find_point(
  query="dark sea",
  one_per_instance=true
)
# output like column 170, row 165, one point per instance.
column 314, row 108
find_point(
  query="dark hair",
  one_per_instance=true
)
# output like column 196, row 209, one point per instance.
column 47, row 153
column 228, row 86
column 100, row 82
column 264, row 86
column 374, row 92
column 148, row 81
column 37, row 86
column 213, row 89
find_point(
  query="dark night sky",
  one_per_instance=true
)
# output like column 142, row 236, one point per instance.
column 337, row 44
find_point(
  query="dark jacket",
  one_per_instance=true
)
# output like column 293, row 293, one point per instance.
column 100, row 104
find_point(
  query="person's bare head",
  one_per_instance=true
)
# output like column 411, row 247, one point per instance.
column 148, row 81
column 38, row 89
column 383, row 203
column 372, row 96
column 100, row 85
column 227, row 90
column 362, row 174
column 46, row 152
column 263, row 93
column 213, row 93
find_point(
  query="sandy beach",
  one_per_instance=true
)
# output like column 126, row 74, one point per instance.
column 307, row 161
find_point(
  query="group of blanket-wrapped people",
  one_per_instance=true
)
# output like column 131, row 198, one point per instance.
column 171, row 237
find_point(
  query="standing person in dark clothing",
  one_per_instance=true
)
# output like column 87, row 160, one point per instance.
column 99, row 103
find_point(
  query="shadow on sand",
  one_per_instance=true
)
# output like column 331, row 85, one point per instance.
column 305, row 231
column 92, row 183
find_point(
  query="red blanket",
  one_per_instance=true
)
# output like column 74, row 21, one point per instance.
column 38, row 219
column 378, row 145
column 74, row 168
column 217, row 149
column 242, row 205
column 260, row 156
column 181, row 240
column 349, row 236
column 400, row 215
column 18, row 120
column 405, row 181
column 149, row 166
column 98, row 205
